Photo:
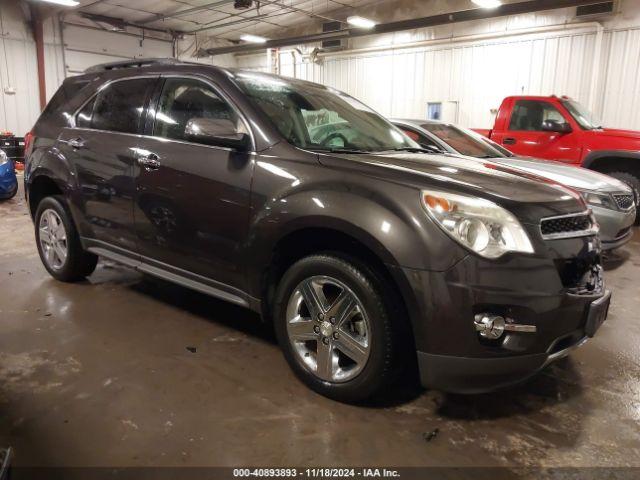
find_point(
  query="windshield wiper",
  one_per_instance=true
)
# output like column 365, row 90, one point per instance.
column 417, row 150
column 340, row 150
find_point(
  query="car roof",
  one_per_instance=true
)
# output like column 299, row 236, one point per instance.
column 144, row 66
column 417, row 122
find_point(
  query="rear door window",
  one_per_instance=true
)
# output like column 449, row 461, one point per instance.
column 118, row 107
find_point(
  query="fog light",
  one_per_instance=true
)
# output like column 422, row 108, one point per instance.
column 489, row 326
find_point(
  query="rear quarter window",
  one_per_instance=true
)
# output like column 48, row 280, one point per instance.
column 118, row 107
column 67, row 91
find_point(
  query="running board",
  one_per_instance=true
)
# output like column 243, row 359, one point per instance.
column 169, row 276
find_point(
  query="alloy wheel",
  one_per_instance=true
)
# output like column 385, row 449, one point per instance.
column 328, row 329
column 53, row 239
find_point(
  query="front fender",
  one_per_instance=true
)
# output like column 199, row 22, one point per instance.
column 393, row 226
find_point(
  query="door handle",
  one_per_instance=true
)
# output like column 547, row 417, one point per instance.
column 76, row 143
column 509, row 141
column 149, row 162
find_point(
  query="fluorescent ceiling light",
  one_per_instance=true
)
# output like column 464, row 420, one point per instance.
column 487, row 3
column 361, row 22
column 65, row 3
column 252, row 38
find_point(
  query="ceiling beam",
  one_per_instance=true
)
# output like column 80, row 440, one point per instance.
column 187, row 11
column 120, row 23
column 518, row 8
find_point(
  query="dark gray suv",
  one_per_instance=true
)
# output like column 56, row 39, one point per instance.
column 297, row 201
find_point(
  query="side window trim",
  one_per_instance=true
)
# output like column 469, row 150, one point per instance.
column 92, row 98
column 217, row 90
column 152, row 107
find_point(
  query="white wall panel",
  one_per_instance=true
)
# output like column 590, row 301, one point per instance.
column 86, row 47
column 478, row 75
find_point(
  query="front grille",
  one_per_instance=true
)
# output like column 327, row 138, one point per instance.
column 566, row 226
column 624, row 201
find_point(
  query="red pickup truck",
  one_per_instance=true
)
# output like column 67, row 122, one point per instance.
column 559, row 128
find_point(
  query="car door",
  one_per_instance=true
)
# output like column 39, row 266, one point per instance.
column 192, row 202
column 526, row 137
column 101, row 150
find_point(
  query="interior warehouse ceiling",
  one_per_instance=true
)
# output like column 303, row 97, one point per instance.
column 218, row 18
column 228, row 19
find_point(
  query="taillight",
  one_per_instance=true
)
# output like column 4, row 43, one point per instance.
column 28, row 144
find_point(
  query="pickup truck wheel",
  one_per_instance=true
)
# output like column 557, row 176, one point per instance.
column 59, row 244
column 634, row 182
column 334, row 328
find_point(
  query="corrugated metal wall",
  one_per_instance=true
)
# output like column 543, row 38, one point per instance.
column 19, row 101
column 87, row 47
column 475, row 76
column 84, row 47
column 478, row 75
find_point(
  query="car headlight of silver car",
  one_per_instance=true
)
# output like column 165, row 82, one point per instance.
column 478, row 224
column 594, row 199
column 3, row 158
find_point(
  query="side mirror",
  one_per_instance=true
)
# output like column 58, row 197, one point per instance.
column 556, row 126
column 217, row 132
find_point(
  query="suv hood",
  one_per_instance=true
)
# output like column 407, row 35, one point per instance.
column 574, row 177
column 528, row 196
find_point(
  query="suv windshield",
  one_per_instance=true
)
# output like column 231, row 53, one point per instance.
column 464, row 141
column 322, row 119
column 581, row 115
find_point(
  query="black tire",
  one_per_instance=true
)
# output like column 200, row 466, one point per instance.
column 634, row 182
column 79, row 263
column 381, row 367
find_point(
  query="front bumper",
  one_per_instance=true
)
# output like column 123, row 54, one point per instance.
column 615, row 226
column 530, row 290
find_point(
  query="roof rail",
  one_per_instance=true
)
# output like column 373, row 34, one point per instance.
column 140, row 62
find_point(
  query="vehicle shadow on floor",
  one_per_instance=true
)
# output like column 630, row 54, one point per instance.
column 615, row 259
column 556, row 384
column 213, row 310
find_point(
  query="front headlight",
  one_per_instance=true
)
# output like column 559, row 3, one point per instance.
column 602, row 200
column 3, row 158
column 478, row 224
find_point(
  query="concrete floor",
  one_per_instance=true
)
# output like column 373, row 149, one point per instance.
column 99, row 374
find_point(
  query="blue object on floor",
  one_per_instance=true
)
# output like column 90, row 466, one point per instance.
column 8, row 180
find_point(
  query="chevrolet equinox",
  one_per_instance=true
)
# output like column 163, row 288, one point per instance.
column 295, row 200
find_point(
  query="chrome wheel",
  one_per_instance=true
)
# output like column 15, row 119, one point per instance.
column 53, row 239
column 328, row 329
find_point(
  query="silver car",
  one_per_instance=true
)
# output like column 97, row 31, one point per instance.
column 612, row 201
